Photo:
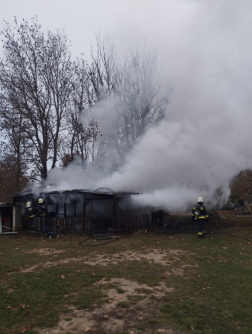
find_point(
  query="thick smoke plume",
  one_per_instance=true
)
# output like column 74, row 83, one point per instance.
column 205, row 138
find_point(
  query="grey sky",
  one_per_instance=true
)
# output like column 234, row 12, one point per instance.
column 124, row 22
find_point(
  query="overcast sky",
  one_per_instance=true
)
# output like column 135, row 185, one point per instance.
column 123, row 22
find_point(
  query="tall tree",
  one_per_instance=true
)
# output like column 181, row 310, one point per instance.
column 35, row 85
column 16, row 148
column 139, row 97
column 142, row 99
column 9, row 169
column 241, row 185
column 81, row 132
column 102, row 72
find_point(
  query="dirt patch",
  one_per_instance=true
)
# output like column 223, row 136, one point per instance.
column 45, row 251
column 109, row 317
column 29, row 270
column 154, row 257
column 131, row 287
column 175, row 272
column 176, row 252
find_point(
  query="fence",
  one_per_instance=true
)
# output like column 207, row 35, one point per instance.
column 131, row 224
column 55, row 225
column 68, row 225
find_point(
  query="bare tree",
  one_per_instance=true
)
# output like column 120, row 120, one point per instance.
column 13, row 176
column 102, row 72
column 82, row 130
column 35, row 86
column 93, row 82
column 140, row 97
column 16, row 146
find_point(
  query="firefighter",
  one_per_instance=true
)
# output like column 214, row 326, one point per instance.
column 241, row 205
column 41, row 208
column 29, row 210
column 199, row 214
column 41, row 212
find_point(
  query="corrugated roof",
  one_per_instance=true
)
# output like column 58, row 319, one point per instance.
column 100, row 191
column 21, row 193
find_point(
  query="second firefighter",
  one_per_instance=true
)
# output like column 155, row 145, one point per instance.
column 199, row 214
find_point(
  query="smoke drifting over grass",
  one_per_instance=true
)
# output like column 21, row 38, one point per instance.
column 205, row 138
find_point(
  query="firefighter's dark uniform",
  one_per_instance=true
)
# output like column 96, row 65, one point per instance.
column 41, row 209
column 42, row 212
column 199, row 214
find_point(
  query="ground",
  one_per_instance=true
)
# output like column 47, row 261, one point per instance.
column 159, row 281
column 118, row 291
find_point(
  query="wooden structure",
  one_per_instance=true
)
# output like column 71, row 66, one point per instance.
column 70, row 225
column 7, row 213
column 73, row 210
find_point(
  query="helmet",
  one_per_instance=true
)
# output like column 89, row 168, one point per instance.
column 40, row 201
column 200, row 199
column 28, row 204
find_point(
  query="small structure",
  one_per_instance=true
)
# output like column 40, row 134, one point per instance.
column 6, row 218
column 77, row 210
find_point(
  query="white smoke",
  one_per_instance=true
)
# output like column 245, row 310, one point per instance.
column 205, row 138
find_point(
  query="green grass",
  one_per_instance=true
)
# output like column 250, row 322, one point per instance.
column 123, row 304
column 120, row 290
column 214, row 295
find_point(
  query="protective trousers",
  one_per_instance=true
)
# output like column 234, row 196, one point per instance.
column 201, row 231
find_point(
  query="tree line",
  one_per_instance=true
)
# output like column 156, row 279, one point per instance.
column 47, row 100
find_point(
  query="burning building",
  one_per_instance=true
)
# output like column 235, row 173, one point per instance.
column 77, row 210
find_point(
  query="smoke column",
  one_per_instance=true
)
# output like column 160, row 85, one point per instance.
column 205, row 138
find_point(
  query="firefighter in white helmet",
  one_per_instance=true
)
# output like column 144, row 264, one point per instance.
column 199, row 214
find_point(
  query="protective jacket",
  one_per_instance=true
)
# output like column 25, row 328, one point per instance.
column 199, row 212
column 41, row 209
column 29, row 211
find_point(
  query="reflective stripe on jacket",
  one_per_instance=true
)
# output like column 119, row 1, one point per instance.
column 199, row 211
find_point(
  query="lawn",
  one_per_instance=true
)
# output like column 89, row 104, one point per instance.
column 145, row 283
